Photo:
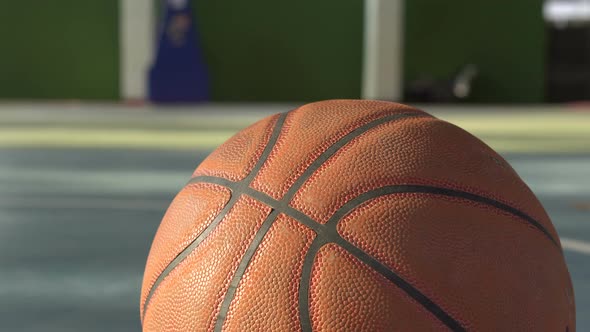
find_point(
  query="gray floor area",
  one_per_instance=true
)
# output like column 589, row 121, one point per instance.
column 76, row 226
column 75, row 232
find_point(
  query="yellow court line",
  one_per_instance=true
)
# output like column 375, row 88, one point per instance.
column 530, row 133
column 112, row 138
column 523, row 123
column 507, row 145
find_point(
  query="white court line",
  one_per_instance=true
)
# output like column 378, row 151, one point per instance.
column 578, row 246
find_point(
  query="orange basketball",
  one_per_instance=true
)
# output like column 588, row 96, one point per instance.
column 353, row 215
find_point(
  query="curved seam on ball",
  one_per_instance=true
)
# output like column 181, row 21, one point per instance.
column 235, row 195
column 327, row 235
column 284, row 201
column 407, row 189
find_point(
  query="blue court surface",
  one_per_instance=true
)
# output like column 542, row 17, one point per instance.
column 83, row 189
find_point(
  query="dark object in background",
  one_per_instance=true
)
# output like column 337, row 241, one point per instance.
column 568, row 63
column 179, row 73
column 568, row 50
column 454, row 89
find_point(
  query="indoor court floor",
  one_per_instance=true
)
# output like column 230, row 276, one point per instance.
column 83, row 189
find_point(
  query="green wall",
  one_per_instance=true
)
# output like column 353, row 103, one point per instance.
column 505, row 38
column 59, row 49
column 288, row 52
column 282, row 50
column 274, row 50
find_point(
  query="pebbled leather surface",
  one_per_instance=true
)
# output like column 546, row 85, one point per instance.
column 346, row 295
column 484, row 266
column 266, row 299
column 309, row 131
column 487, row 269
column 235, row 158
column 187, row 216
column 189, row 297
column 424, row 151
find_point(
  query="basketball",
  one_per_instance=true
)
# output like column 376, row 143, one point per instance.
column 356, row 215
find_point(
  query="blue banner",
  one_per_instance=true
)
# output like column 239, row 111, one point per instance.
column 179, row 73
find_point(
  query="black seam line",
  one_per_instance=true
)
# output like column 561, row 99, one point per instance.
column 399, row 189
column 244, row 263
column 189, row 249
column 405, row 286
column 394, row 189
column 283, row 203
column 267, row 149
column 329, row 152
column 328, row 234
column 235, row 195
column 229, row 184
column 304, row 283
column 281, row 206
column 411, row 291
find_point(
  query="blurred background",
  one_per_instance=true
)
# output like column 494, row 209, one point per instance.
column 107, row 106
